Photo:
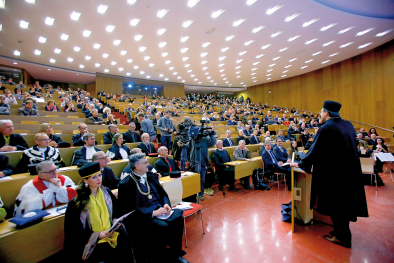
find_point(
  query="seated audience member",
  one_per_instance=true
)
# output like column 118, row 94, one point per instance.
column 54, row 140
column 51, row 106
column 291, row 133
column 380, row 147
column 279, row 121
column 145, row 146
column 21, row 85
column 255, row 119
column 9, row 98
column 108, row 136
column 106, row 112
column 77, row 139
column 85, row 109
column 46, row 190
column 280, row 152
column 373, row 140
column 39, row 153
column 156, row 119
column 294, row 149
column 363, row 150
column 89, row 216
column 272, row 165
column 372, row 131
column 248, row 131
column 165, row 165
column 231, row 121
column 127, row 170
column 227, row 142
column 365, row 134
column 47, row 94
column 149, row 202
column 110, row 120
column 359, row 137
column 131, row 135
column 267, row 135
column 69, row 107
column 28, row 110
column 5, row 167
column 240, row 126
column 118, row 150
column 257, row 127
column 254, row 138
column 225, row 173
column 242, row 137
column 8, row 140
column 305, row 137
column 85, row 153
column 280, row 135
column 2, row 102
column 108, row 177
column 241, row 153
column 95, row 119
column 302, row 128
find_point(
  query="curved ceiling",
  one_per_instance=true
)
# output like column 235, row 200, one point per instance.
column 249, row 43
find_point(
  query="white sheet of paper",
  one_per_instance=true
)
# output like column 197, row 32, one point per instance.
column 119, row 220
column 164, row 217
column 6, row 178
column 174, row 190
column 385, row 157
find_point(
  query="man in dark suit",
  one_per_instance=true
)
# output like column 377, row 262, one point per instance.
column 373, row 140
column 243, row 137
column 131, row 135
column 241, row 153
column 142, row 193
column 248, row 131
column 78, row 138
column 107, row 137
column 227, row 142
column 272, row 165
column 8, row 141
column 5, row 167
column 254, row 139
column 28, row 110
column 280, row 152
column 225, row 173
column 85, row 153
column 231, row 121
column 108, row 177
column 145, row 146
column 95, row 119
column 165, row 165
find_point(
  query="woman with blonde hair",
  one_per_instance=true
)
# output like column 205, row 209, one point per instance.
column 110, row 120
column 118, row 150
column 106, row 112
column 54, row 140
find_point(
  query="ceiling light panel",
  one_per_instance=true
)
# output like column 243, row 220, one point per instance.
column 273, row 9
column 365, row 45
column 229, row 37
column 310, row 41
column 30, row 1
column 317, row 53
column 42, row 39
column 192, row 3
column 110, row 28
column 224, row 49
column 131, row 2
column 86, row 33
column 102, row 9
column 96, row 46
column 161, row 31
column 266, row 46
column 88, row 57
column 70, row 59
column 383, row 33
column 206, row 44
column 310, row 22
column 217, row 13
column 364, row 32
column 345, row 45
column 141, row 49
column 37, row 52
column 289, row 18
column 162, row 44
column 75, row 16
column 64, row 36
column 162, row 13
column 345, row 30
column 117, row 42
column 259, row 56
column 49, row 21
column 185, row 38
column 123, row 52
column 328, row 27
column 238, row 22
column 293, row 38
column 58, row 50
column 105, row 55
column 187, row 23
column 134, row 22
column 183, row 50
column 257, row 29
column 24, row 24
column 250, row 2
column 276, row 34
column 283, row 49
column 328, row 43
column 247, row 43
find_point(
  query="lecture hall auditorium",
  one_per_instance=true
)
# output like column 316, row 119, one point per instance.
column 212, row 60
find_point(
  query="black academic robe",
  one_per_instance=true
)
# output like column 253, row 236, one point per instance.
column 162, row 167
column 115, row 152
column 5, row 167
column 336, row 178
column 78, row 140
column 147, row 150
column 79, row 157
column 16, row 140
column 109, row 179
column 130, row 137
column 107, row 137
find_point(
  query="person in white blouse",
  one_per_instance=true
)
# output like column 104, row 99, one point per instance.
column 118, row 150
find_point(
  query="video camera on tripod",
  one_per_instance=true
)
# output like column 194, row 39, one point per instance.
column 189, row 131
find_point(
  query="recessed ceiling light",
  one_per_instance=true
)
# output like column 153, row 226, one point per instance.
column 105, row 55
column 303, row 67
column 192, row 3
column 206, row 44
column 136, row 67
column 204, row 62
column 253, row 69
column 117, row 42
column 142, row 72
column 148, row 77
column 183, row 39
column 229, row 37
column 345, row 30
column 185, row 58
column 238, row 22
column 50, row 70
column 276, row 34
column 310, row 22
column 162, row 44
column 239, row 61
column 259, row 56
column 24, row 24
column 222, row 75
column 250, row 2
column 128, row 73
column 209, row 77
column 102, row 9
column 97, row 65
column 166, row 79
column 183, row 50
column 75, row 16
column 162, row 13
column 30, row 1
column 141, row 49
column 86, row 33
column 283, row 76
column 58, row 50
column 334, row 54
column 224, row 49
column 273, row 9
column 161, row 75
column 254, row 78
column 168, row 61
column 164, row 54
column 146, row 57
column 270, row 70
column 294, row 59
column 42, row 39
column 363, row 46
column 383, row 33
column 106, row 70
column 134, row 21
column 242, row 53
column 138, row 37
column 77, row 49
column 276, row 58
column 309, row 61
column 129, row 60
column 37, row 52
column 283, row 49
column 364, row 32
column 192, row 75
column 49, row 21
column 247, row 43
column 70, row 59
column 81, row 66
column 293, row 38
column 221, row 58
column 121, row 69
column 64, row 36
column 2, row 4
column 272, row 65
column 238, row 67
column 289, row 18
column 310, row 41
column 187, row 23
column 317, row 53
column 171, row 68
column 131, row 2
column 113, row 63
column 204, row 54
column 174, row 73
column 199, row 82
column 285, row 71
column 266, row 46
column 328, row 43
column 328, row 27
column 221, row 65
column 96, row 46
column 88, row 57
column 204, row 68
column 255, row 63
column 268, row 75
column 217, row 13
column 257, row 29
column 222, row 70
column 161, row 31
column 347, row 44
column 324, row 62
column 52, row 60
column 123, row 52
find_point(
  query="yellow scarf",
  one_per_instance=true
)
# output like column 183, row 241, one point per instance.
column 99, row 217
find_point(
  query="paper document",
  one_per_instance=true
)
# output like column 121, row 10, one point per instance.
column 166, row 216
column 183, row 206
column 5, row 178
column 285, row 164
column 118, row 221
column 187, row 173
column 385, row 157
column 56, row 211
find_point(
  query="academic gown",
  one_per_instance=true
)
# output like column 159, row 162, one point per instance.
column 337, row 186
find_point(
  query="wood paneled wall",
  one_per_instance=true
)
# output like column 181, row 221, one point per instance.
column 91, row 88
column 173, row 90
column 363, row 84
column 109, row 84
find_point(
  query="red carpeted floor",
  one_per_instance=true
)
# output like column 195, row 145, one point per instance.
column 246, row 226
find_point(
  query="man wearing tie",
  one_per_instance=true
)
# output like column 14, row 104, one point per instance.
column 165, row 165
column 243, row 137
column 254, row 139
column 145, row 146
column 271, row 164
column 228, row 142
column 241, row 153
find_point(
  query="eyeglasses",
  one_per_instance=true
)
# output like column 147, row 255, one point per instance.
column 143, row 162
column 102, row 158
column 52, row 172
column 42, row 140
